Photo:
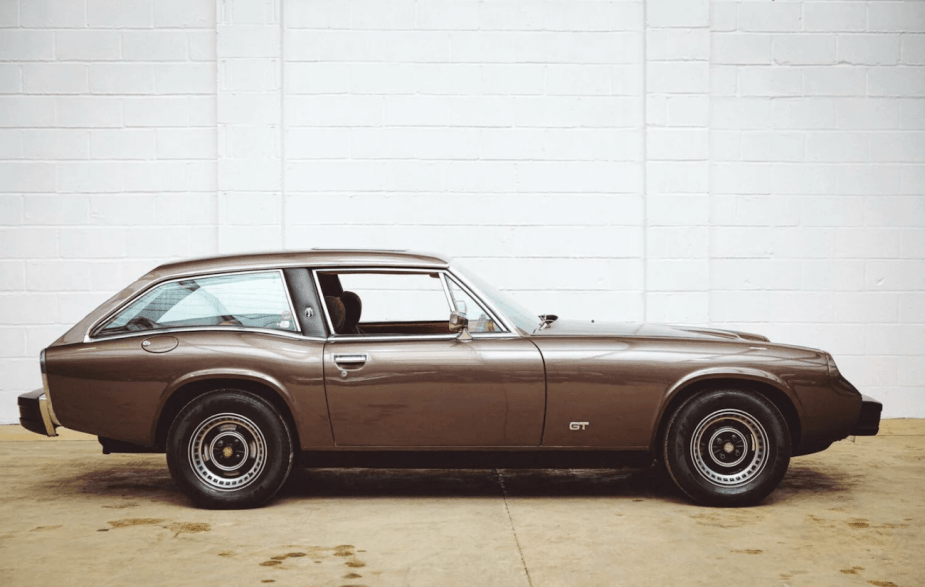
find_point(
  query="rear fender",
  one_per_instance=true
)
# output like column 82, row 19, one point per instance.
column 221, row 373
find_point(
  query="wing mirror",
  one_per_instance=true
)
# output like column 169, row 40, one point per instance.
column 459, row 323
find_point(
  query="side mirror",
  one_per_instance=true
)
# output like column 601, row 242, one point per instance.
column 460, row 324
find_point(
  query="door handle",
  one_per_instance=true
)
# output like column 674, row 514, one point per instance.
column 356, row 360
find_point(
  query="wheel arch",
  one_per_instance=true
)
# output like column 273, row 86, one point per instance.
column 189, row 388
column 767, row 387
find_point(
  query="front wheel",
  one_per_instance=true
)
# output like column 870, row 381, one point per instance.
column 727, row 448
column 229, row 449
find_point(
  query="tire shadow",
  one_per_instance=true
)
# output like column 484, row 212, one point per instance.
column 637, row 483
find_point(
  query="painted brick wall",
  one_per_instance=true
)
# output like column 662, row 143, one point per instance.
column 817, row 224
column 107, row 159
column 505, row 133
column 751, row 164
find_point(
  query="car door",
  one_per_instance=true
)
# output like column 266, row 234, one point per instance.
column 402, row 379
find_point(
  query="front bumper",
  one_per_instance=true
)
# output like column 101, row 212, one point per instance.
column 35, row 413
column 869, row 421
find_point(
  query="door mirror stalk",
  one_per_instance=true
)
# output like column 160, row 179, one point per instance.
column 459, row 323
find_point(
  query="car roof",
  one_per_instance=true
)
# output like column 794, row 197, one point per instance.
column 311, row 258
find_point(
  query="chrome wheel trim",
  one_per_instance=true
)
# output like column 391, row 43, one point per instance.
column 742, row 431
column 227, row 452
column 727, row 447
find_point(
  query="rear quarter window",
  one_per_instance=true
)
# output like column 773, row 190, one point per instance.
column 249, row 300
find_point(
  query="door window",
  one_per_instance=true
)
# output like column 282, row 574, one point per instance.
column 375, row 303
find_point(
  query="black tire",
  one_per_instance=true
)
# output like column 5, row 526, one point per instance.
column 229, row 449
column 727, row 448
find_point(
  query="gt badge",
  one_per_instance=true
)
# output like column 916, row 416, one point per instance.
column 577, row 425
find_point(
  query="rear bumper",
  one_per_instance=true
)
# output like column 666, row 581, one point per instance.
column 35, row 413
column 869, row 421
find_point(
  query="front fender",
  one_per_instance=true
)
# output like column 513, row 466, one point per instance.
column 675, row 392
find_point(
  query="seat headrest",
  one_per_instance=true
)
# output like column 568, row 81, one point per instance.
column 330, row 284
column 337, row 312
column 353, row 307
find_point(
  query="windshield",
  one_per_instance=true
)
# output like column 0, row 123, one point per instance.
column 520, row 316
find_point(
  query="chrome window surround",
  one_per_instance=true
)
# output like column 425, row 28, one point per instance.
column 446, row 292
column 465, row 289
column 512, row 331
column 444, row 274
column 94, row 334
column 480, row 298
column 256, row 267
column 302, row 265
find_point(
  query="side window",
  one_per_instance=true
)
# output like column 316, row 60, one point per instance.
column 479, row 319
column 375, row 303
column 253, row 300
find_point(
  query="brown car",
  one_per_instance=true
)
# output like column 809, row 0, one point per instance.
column 238, row 366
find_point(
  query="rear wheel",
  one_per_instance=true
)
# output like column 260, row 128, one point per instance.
column 229, row 449
column 727, row 448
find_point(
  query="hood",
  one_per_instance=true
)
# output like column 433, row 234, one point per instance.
column 606, row 329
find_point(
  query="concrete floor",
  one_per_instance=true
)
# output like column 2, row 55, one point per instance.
column 852, row 515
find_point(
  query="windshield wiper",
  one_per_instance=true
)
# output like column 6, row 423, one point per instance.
column 547, row 320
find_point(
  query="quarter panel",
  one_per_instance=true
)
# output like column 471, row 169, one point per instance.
column 115, row 389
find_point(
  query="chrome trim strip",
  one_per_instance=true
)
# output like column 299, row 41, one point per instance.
column 46, row 416
column 295, row 319
column 88, row 337
column 446, row 292
column 389, row 337
column 367, row 269
column 292, row 335
column 146, row 333
column 295, row 264
column 344, row 338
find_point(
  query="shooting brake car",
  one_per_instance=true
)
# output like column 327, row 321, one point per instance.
column 238, row 366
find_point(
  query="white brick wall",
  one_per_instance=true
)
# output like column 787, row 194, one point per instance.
column 107, row 126
column 507, row 133
column 753, row 164
column 817, row 131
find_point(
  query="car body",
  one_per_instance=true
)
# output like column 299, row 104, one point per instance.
column 238, row 366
